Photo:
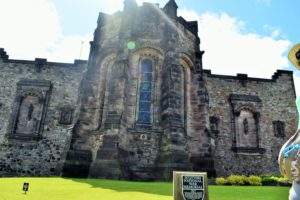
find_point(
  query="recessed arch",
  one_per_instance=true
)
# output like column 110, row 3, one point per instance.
column 184, row 58
column 104, row 86
column 186, row 79
column 150, row 49
column 135, row 61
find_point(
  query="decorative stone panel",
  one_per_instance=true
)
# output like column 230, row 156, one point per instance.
column 29, row 109
column 66, row 115
column 245, row 120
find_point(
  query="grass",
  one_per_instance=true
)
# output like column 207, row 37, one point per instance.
column 89, row 189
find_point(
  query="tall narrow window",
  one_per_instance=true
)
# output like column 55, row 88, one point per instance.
column 144, row 115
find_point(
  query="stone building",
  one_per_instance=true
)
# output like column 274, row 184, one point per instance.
column 141, row 107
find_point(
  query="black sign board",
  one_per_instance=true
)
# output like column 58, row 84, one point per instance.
column 25, row 187
column 193, row 187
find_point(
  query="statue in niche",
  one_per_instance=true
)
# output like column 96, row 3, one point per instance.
column 27, row 120
column 246, row 126
column 30, row 110
column 280, row 129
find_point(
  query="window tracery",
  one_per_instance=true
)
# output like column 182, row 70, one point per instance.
column 145, row 92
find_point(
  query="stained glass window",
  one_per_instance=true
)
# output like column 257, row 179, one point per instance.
column 145, row 92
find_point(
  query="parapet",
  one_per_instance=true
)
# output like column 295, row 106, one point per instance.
column 38, row 62
column 245, row 77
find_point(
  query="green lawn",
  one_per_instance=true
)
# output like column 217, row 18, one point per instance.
column 89, row 189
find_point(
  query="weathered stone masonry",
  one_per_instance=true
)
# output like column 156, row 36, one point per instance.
column 39, row 106
column 268, row 107
column 141, row 107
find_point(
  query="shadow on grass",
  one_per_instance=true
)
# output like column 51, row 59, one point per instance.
column 158, row 188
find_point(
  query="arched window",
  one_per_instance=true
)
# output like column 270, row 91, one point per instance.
column 145, row 92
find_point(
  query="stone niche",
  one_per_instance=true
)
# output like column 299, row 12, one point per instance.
column 29, row 109
column 279, row 129
column 66, row 115
column 246, row 123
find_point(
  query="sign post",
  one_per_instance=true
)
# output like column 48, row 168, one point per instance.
column 190, row 186
column 25, row 187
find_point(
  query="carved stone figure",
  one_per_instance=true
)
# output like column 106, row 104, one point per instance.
column 30, row 110
column 246, row 126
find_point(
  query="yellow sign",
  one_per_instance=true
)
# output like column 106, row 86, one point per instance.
column 292, row 55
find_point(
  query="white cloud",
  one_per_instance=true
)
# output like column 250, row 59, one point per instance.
column 32, row 29
column 69, row 48
column 273, row 31
column 113, row 6
column 160, row 2
column 29, row 27
column 229, row 49
column 110, row 6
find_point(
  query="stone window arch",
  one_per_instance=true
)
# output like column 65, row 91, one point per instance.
column 133, row 113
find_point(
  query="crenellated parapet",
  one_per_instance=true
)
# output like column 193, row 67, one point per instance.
column 277, row 75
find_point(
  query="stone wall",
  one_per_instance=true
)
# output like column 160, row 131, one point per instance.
column 252, row 118
column 39, row 106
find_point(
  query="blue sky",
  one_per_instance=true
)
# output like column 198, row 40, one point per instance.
column 238, row 36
